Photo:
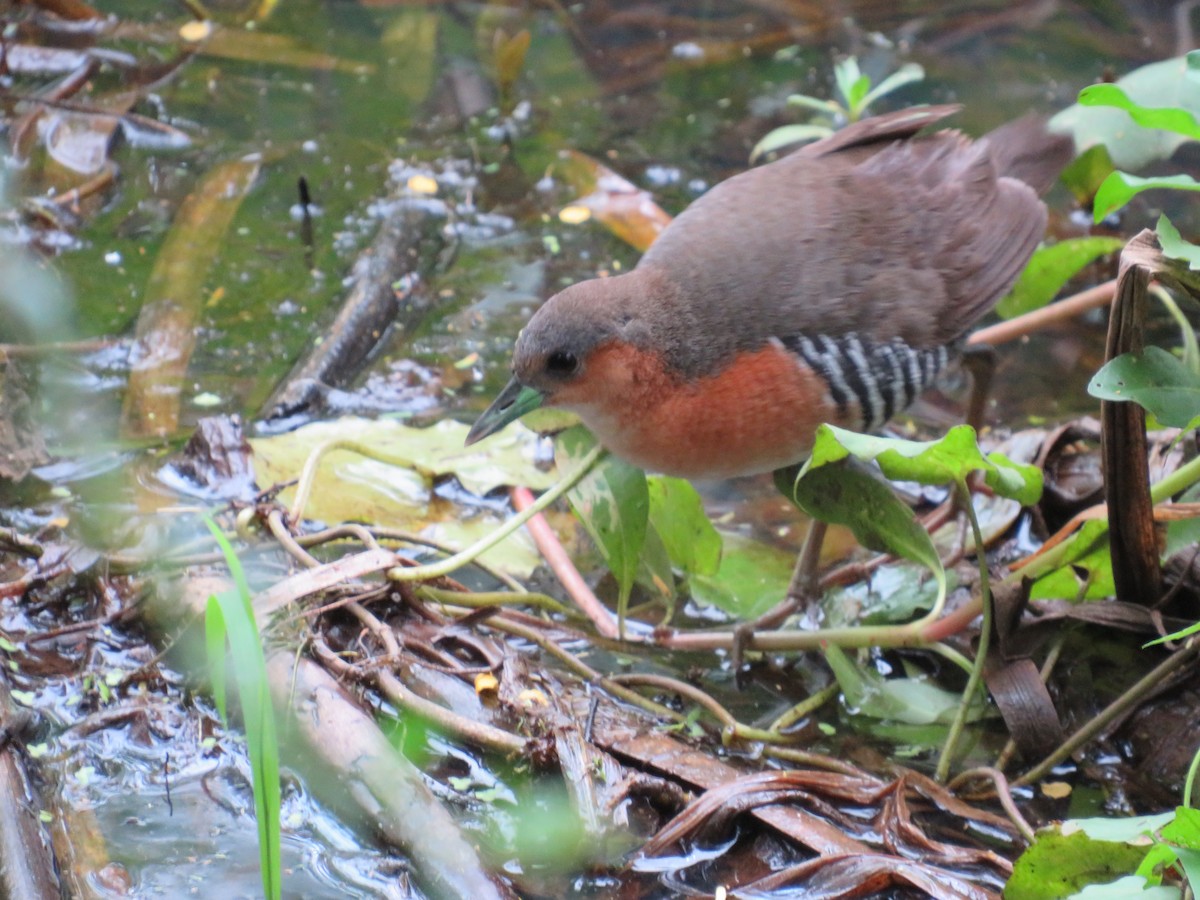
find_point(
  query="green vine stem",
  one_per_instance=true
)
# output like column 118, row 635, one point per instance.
column 985, row 633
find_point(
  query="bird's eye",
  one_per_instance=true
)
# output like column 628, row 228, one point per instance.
column 561, row 362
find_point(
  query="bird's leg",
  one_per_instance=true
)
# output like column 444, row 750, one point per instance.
column 802, row 591
column 979, row 360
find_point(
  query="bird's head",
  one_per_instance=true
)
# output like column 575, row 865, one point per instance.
column 554, row 354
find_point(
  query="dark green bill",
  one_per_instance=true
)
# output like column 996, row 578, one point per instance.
column 514, row 401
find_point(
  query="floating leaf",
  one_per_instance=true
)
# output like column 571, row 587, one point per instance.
column 1050, row 268
column 625, row 209
column 911, row 701
column 677, row 513
column 907, row 74
column 1155, row 380
column 1119, row 188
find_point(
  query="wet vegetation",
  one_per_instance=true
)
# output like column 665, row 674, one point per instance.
column 269, row 627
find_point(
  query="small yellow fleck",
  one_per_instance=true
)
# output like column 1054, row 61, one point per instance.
column 467, row 361
column 1056, row 790
column 422, row 184
column 195, row 31
column 574, row 214
column 532, row 697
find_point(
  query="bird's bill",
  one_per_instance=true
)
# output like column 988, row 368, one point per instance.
column 513, row 402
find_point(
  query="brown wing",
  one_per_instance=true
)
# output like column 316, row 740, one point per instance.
column 915, row 239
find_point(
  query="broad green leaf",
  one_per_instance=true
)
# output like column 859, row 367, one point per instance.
column 1084, row 176
column 396, row 491
column 1184, row 828
column 1161, row 84
column 1057, row 574
column 787, row 136
column 843, row 495
column 613, row 503
column 951, row 459
column 1050, row 267
column 1174, row 246
column 677, row 513
column 1166, row 118
column 1119, row 188
column 752, row 577
column 1065, row 859
column 1155, row 380
column 910, row 701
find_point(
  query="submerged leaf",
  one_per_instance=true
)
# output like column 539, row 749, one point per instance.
column 752, row 578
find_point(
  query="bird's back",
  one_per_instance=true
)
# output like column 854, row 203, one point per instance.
column 872, row 233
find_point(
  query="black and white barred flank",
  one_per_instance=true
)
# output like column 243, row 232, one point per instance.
column 882, row 378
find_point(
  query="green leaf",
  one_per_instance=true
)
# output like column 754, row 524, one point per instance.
column 1184, row 829
column 907, row 74
column 858, row 91
column 787, row 136
column 843, row 495
column 1064, row 859
column 677, row 513
column 752, row 578
column 1162, row 84
column 1084, row 176
column 613, row 503
column 1166, row 118
column 1174, row 246
column 1155, row 380
column 236, row 613
column 1086, row 551
column 816, row 104
column 845, row 75
column 1050, row 267
column 1119, row 188
column 951, row 459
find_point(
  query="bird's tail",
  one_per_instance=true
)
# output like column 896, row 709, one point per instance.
column 1024, row 149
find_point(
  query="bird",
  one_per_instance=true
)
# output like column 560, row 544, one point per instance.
column 832, row 285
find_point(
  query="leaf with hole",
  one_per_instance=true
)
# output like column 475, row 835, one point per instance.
column 1156, row 381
